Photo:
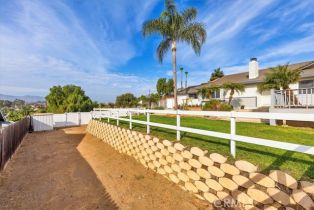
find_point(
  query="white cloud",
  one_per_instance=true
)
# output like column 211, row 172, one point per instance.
column 45, row 44
column 230, row 22
column 296, row 47
column 222, row 25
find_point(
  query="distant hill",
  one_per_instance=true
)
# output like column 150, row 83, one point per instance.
column 27, row 99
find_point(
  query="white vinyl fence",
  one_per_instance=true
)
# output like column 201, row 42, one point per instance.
column 121, row 114
column 47, row 121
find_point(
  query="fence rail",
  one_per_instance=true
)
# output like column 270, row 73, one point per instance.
column 126, row 115
column 10, row 138
column 293, row 98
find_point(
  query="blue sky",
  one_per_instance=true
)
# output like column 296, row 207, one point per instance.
column 98, row 44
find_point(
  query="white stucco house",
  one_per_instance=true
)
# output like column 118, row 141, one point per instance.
column 302, row 93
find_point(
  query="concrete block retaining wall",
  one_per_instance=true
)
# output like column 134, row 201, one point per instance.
column 209, row 176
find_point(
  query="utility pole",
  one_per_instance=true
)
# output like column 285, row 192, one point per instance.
column 186, row 79
column 181, row 69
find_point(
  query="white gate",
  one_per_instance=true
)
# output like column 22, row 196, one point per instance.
column 42, row 122
column 47, row 121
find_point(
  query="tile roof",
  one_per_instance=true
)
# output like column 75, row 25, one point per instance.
column 306, row 67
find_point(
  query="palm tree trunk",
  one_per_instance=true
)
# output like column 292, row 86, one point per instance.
column 174, row 67
column 230, row 96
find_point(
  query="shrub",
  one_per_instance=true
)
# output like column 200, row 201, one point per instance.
column 183, row 107
column 158, row 108
column 216, row 105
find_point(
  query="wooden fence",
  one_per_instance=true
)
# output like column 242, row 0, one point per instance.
column 10, row 138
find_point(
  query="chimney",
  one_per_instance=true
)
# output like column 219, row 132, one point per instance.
column 253, row 68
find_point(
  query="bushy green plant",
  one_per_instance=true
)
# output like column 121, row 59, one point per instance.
column 216, row 105
column 14, row 116
column 183, row 107
column 158, row 108
column 126, row 100
column 69, row 98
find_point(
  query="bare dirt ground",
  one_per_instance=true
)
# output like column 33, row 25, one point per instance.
column 69, row 169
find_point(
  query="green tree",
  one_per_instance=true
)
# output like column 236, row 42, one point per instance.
column 111, row 105
column 164, row 86
column 126, row 100
column 14, row 116
column 169, row 86
column 233, row 87
column 5, row 103
column 218, row 73
column 161, row 86
column 55, row 100
column 279, row 77
column 206, row 92
column 175, row 27
column 19, row 103
column 69, row 98
column 149, row 99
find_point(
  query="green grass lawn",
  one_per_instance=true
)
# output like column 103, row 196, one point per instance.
column 301, row 166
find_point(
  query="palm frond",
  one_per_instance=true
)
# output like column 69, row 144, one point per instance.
column 170, row 7
column 280, row 77
column 194, row 34
column 188, row 15
column 162, row 49
column 175, row 26
column 153, row 27
column 238, row 87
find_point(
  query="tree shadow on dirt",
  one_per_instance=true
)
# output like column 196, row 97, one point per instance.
column 52, row 174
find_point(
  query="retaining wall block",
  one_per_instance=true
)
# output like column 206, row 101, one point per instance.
column 209, row 176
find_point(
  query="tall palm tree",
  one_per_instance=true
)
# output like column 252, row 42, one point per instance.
column 279, row 77
column 218, row 73
column 175, row 27
column 233, row 87
column 186, row 79
column 181, row 69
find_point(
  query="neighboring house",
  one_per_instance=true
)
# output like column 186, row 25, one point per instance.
column 251, row 98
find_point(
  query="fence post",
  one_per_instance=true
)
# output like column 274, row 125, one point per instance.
column 148, row 120
column 273, row 98
column 118, row 118
column 130, row 113
column 66, row 119
column 178, row 126
column 233, row 133
column 79, row 118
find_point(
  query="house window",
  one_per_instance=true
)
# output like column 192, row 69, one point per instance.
column 306, row 86
column 215, row 94
column 192, row 95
